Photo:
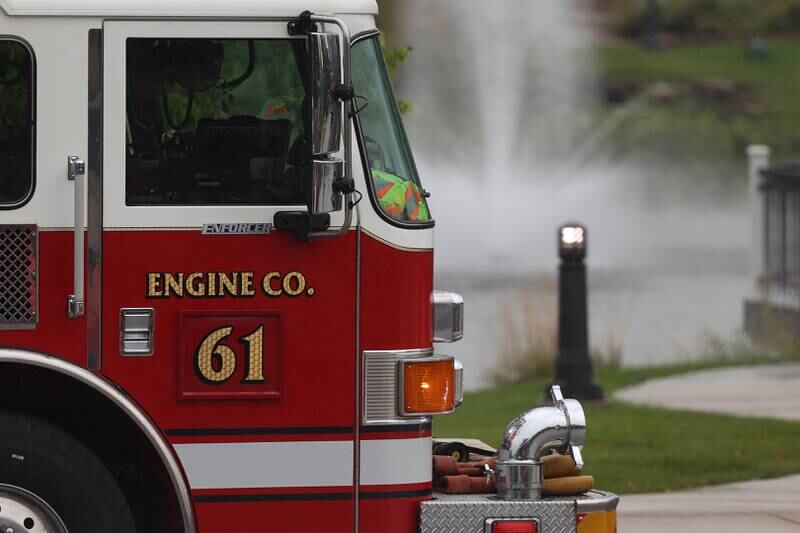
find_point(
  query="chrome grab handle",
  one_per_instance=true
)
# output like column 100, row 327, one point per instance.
column 76, row 171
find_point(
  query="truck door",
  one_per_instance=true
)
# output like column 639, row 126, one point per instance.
column 238, row 340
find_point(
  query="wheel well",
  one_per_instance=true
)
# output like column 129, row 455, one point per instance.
column 106, row 430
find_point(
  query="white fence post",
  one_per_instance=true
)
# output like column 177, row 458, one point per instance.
column 758, row 159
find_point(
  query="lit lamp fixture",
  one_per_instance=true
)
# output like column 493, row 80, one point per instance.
column 572, row 241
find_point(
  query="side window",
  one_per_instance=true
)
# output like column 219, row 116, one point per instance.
column 395, row 184
column 16, row 123
column 216, row 122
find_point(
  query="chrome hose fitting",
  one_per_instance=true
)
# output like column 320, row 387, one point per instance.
column 561, row 428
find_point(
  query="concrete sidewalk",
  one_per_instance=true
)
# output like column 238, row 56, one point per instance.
column 771, row 505
column 762, row 391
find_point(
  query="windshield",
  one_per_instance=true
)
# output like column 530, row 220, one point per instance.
column 395, row 184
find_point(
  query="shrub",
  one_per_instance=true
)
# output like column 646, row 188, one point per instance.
column 710, row 18
column 528, row 336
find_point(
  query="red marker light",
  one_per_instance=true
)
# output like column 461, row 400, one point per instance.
column 515, row 526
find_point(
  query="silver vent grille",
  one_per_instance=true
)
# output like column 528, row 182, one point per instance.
column 381, row 386
column 18, row 265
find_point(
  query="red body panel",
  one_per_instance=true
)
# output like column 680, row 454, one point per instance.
column 396, row 288
column 391, row 515
column 393, row 508
column 317, row 374
column 315, row 352
column 396, row 313
column 310, row 360
column 280, row 516
column 55, row 333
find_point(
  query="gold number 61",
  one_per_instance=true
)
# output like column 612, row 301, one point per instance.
column 215, row 363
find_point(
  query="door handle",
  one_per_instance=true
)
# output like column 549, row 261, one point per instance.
column 76, row 171
column 136, row 328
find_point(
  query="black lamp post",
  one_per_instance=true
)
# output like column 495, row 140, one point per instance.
column 573, row 365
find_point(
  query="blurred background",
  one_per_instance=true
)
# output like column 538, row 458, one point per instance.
column 631, row 117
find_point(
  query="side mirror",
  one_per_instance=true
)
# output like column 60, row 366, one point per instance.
column 324, row 199
column 330, row 185
column 327, row 112
column 327, row 117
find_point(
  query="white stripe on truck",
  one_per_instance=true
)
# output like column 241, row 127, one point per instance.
column 243, row 465
column 396, row 461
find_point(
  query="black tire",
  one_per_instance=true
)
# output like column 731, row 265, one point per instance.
column 41, row 458
column 456, row 450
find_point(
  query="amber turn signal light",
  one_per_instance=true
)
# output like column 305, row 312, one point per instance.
column 428, row 386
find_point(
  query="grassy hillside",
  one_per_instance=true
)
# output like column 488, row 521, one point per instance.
column 702, row 100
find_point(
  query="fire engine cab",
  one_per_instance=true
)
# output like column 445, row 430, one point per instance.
column 217, row 309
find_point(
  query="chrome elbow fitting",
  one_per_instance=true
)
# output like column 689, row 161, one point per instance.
column 529, row 437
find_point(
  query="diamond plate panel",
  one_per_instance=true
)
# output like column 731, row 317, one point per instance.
column 467, row 513
column 18, row 263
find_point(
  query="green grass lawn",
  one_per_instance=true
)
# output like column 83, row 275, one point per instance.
column 639, row 449
column 701, row 128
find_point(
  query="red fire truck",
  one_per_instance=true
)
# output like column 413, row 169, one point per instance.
column 216, row 277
